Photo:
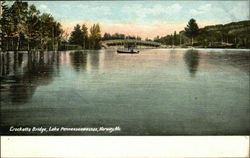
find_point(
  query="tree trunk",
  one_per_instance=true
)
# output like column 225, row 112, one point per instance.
column 41, row 44
column 7, row 45
column 192, row 41
column 12, row 44
column 28, row 44
column 84, row 43
column 18, row 43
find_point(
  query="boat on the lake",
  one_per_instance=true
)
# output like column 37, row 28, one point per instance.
column 129, row 51
column 129, row 48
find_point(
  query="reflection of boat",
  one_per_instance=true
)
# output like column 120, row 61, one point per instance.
column 131, row 51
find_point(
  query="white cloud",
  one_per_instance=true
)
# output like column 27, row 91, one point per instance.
column 240, row 11
column 201, row 10
column 98, row 9
column 141, row 11
column 175, row 8
column 43, row 6
column 232, row 11
column 158, row 9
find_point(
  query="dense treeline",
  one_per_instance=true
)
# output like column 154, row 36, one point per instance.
column 232, row 35
column 25, row 28
column 82, row 39
column 117, row 36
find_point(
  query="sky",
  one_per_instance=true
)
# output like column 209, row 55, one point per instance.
column 146, row 19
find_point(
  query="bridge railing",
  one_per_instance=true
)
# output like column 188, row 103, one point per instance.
column 130, row 41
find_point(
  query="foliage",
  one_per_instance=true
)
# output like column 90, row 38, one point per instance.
column 76, row 36
column 5, row 20
column 232, row 35
column 80, row 36
column 118, row 36
column 192, row 29
column 24, row 28
column 85, row 36
column 95, row 37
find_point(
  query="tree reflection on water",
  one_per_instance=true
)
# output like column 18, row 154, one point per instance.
column 192, row 58
column 78, row 60
column 22, row 73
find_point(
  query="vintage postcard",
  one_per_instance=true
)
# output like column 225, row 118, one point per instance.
column 125, row 68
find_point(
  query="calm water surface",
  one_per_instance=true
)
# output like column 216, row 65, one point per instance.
column 156, row 92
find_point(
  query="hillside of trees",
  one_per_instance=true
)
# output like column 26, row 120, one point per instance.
column 231, row 35
column 117, row 36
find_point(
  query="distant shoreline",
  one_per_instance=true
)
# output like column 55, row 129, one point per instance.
column 176, row 48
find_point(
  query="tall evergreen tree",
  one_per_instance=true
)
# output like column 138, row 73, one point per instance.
column 24, row 27
column 33, row 26
column 4, row 25
column 192, row 29
column 47, row 30
column 18, row 14
column 76, row 36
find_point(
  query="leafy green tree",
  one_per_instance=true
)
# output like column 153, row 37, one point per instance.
column 138, row 37
column 192, row 29
column 33, row 26
column 76, row 36
column 18, row 15
column 95, row 37
column 24, row 27
column 46, row 30
column 50, row 32
column 5, row 25
column 203, row 37
column 57, row 34
column 175, row 38
column 85, row 36
column 106, row 36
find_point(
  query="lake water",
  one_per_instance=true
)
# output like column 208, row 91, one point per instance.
column 155, row 92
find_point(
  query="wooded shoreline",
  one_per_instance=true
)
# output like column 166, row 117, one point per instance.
column 25, row 28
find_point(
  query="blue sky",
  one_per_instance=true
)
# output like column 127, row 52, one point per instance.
column 145, row 17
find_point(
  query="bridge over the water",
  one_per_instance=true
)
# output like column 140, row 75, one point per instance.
column 126, row 42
